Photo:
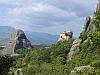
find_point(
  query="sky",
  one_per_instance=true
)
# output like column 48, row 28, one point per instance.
column 49, row 16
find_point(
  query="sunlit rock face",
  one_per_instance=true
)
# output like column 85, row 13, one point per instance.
column 74, row 49
column 98, row 6
column 18, row 40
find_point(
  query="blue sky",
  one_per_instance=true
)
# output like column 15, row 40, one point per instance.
column 49, row 16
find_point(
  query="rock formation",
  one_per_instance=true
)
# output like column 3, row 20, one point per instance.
column 98, row 6
column 81, row 69
column 65, row 35
column 74, row 49
column 18, row 40
column 88, row 26
column 76, row 43
column 87, row 23
column 18, row 72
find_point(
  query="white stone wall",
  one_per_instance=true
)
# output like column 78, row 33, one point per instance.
column 63, row 36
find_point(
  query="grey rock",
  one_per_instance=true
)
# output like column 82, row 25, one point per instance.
column 74, row 49
column 89, row 20
column 18, row 40
column 81, row 69
column 88, row 26
column 98, row 5
column 87, row 23
column 18, row 72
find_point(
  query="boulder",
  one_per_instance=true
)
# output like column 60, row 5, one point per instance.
column 18, row 40
column 19, row 72
column 74, row 49
column 82, row 70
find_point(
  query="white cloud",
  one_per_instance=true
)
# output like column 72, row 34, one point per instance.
column 7, row 1
column 40, row 8
column 44, row 15
column 39, row 14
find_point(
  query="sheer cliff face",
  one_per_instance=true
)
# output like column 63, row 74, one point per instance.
column 18, row 40
column 88, row 26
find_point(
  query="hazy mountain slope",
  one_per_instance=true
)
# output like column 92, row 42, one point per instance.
column 42, row 38
column 34, row 37
column 5, row 31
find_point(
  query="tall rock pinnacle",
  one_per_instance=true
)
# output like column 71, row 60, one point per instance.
column 18, row 40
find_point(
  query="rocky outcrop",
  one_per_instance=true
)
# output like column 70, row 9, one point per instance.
column 88, row 26
column 98, row 6
column 81, row 69
column 18, row 40
column 19, row 72
column 74, row 49
column 87, row 23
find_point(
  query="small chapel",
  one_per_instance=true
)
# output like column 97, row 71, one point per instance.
column 66, row 35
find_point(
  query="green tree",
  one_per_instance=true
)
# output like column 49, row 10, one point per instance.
column 6, row 62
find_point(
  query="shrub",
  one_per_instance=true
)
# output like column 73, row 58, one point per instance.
column 83, row 35
column 96, row 64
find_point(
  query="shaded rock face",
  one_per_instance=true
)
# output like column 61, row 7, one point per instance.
column 87, row 23
column 88, row 26
column 74, row 49
column 81, row 69
column 18, row 40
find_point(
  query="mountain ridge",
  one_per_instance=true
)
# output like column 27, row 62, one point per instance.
column 36, row 38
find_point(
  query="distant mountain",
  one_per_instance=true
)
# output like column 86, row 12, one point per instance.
column 5, row 31
column 36, row 38
column 42, row 38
